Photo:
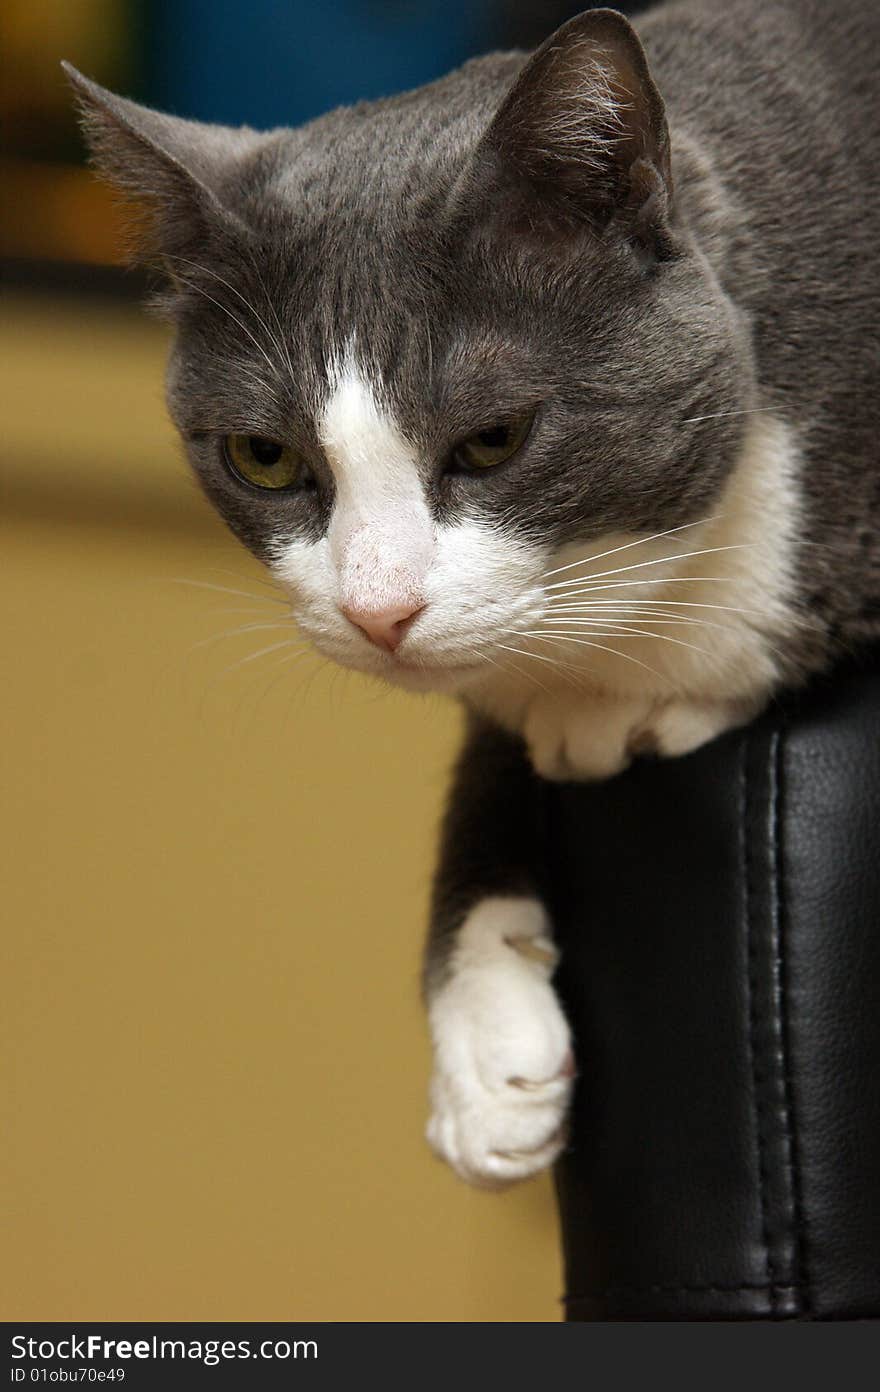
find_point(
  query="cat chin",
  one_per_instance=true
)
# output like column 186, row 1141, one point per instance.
column 448, row 680
column 419, row 677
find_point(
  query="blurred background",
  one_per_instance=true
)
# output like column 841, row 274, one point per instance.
column 216, row 851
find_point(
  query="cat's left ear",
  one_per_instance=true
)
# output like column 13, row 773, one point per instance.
column 581, row 138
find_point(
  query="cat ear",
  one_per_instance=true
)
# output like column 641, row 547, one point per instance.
column 582, row 137
column 170, row 167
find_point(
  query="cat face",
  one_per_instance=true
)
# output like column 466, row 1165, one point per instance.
column 410, row 547
column 428, row 348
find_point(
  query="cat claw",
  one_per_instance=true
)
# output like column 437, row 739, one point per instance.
column 555, row 1141
column 566, row 1072
column 538, row 949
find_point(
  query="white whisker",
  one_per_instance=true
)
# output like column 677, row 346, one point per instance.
column 247, row 304
column 625, row 631
column 658, row 620
column 244, row 628
column 281, row 340
column 280, row 667
column 246, row 609
column 665, row 580
column 717, row 415
column 640, row 541
column 562, row 667
column 649, row 605
column 235, row 319
column 252, row 657
column 605, row 613
column 615, row 652
column 640, row 565
column 269, row 584
column 225, row 589
column 507, row 668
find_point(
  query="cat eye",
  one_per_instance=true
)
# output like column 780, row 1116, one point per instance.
column 494, row 445
column 264, row 463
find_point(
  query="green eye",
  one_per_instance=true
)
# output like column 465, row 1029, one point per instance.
column 493, row 445
column 264, row 463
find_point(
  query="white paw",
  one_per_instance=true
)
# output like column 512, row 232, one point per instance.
column 503, row 1068
column 589, row 740
column 682, row 726
column 597, row 738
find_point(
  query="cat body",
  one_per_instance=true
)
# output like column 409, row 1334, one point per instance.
column 552, row 385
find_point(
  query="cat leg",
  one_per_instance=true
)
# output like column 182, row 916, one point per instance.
column 503, row 1067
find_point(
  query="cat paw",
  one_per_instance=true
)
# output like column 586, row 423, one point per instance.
column 680, row 727
column 503, row 1066
column 589, row 741
column 598, row 738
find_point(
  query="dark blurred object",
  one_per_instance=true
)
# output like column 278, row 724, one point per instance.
column 268, row 64
column 97, row 35
column 53, row 209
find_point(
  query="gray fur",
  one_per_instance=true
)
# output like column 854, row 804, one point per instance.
column 757, row 285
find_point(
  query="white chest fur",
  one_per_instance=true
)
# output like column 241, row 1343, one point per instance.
column 660, row 644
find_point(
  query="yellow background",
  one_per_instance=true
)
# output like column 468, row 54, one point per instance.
column 214, row 890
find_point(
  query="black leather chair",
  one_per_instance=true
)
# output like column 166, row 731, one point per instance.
column 719, row 917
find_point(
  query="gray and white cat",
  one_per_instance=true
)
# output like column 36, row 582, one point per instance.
column 542, row 388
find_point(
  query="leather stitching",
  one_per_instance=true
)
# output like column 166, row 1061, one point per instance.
column 752, row 988
column 741, row 1289
column 781, row 939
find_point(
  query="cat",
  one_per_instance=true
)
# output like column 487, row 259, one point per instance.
column 551, row 385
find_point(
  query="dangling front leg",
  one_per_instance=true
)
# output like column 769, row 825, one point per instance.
column 503, row 1067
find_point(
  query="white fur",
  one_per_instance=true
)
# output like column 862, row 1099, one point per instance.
column 502, row 1061
column 381, row 535
column 621, row 692
column 384, row 550
column 479, row 587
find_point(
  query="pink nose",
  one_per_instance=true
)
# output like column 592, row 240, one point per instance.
column 385, row 627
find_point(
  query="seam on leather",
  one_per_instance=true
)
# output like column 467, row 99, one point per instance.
column 752, row 990
column 781, row 939
column 742, row 1289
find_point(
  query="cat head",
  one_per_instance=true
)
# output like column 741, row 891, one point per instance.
column 430, row 348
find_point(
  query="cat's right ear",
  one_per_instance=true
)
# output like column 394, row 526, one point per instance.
column 580, row 141
column 171, row 168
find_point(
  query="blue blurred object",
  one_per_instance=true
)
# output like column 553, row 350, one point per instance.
column 279, row 62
